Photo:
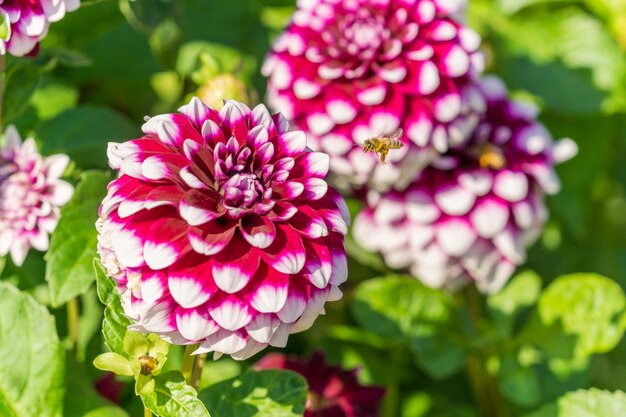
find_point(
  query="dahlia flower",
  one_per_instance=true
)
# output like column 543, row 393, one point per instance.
column 470, row 216
column 25, row 22
column 221, row 230
column 348, row 71
column 333, row 391
column 31, row 194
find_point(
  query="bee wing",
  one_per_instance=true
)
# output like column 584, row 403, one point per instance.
column 395, row 135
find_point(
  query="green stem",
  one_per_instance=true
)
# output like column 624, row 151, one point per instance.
column 3, row 77
column 146, row 412
column 390, row 402
column 483, row 385
column 197, row 371
column 188, row 362
column 72, row 323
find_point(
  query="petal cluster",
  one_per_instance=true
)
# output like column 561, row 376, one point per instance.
column 348, row 71
column 221, row 229
column 31, row 194
column 26, row 22
column 471, row 215
column 333, row 391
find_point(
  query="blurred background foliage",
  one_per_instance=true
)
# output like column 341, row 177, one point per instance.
column 107, row 65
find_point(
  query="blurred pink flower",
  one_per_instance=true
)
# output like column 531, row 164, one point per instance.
column 31, row 194
column 348, row 71
column 471, row 215
column 333, row 391
column 26, row 22
column 221, row 230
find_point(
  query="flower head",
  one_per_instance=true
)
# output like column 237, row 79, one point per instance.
column 221, row 229
column 470, row 216
column 23, row 23
column 348, row 71
column 31, row 194
column 333, row 391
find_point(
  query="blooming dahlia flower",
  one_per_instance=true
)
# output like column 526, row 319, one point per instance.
column 221, row 230
column 470, row 216
column 347, row 71
column 333, row 391
column 31, row 194
column 25, row 22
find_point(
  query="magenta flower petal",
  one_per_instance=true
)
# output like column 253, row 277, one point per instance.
column 31, row 195
column 27, row 22
column 221, row 230
column 345, row 72
column 471, row 215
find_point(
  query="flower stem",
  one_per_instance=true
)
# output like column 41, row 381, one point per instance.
column 188, row 362
column 72, row 323
column 147, row 412
column 197, row 371
column 3, row 77
column 483, row 384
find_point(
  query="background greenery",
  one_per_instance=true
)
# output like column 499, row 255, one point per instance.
column 557, row 327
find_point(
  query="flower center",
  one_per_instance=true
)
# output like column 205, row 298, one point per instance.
column 242, row 191
column 362, row 34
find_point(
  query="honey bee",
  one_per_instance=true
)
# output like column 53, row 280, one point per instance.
column 382, row 144
column 491, row 157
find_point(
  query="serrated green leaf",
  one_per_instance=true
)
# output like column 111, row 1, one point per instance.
column 31, row 358
column 172, row 397
column 69, row 271
column 273, row 393
column 83, row 133
column 105, row 285
column 588, row 307
column 586, row 403
column 114, row 328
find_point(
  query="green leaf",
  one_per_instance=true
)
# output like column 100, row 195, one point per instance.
column 89, row 321
column 73, row 245
column 21, row 83
column 115, row 321
column 586, row 403
column 172, row 397
column 587, row 306
column 83, row 133
column 395, row 306
column 565, row 47
column 258, row 394
column 521, row 292
column 105, row 285
column 53, row 98
column 31, row 358
column 114, row 328
column 114, row 362
column 82, row 399
column 438, row 355
column 518, row 383
column 400, row 308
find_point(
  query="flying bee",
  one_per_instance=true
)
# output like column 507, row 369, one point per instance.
column 382, row 144
column 491, row 157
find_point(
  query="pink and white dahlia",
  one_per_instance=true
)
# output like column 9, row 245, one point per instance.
column 348, row 71
column 221, row 230
column 31, row 194
column 25, row 22
column 333, row 391
column 470, row 216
